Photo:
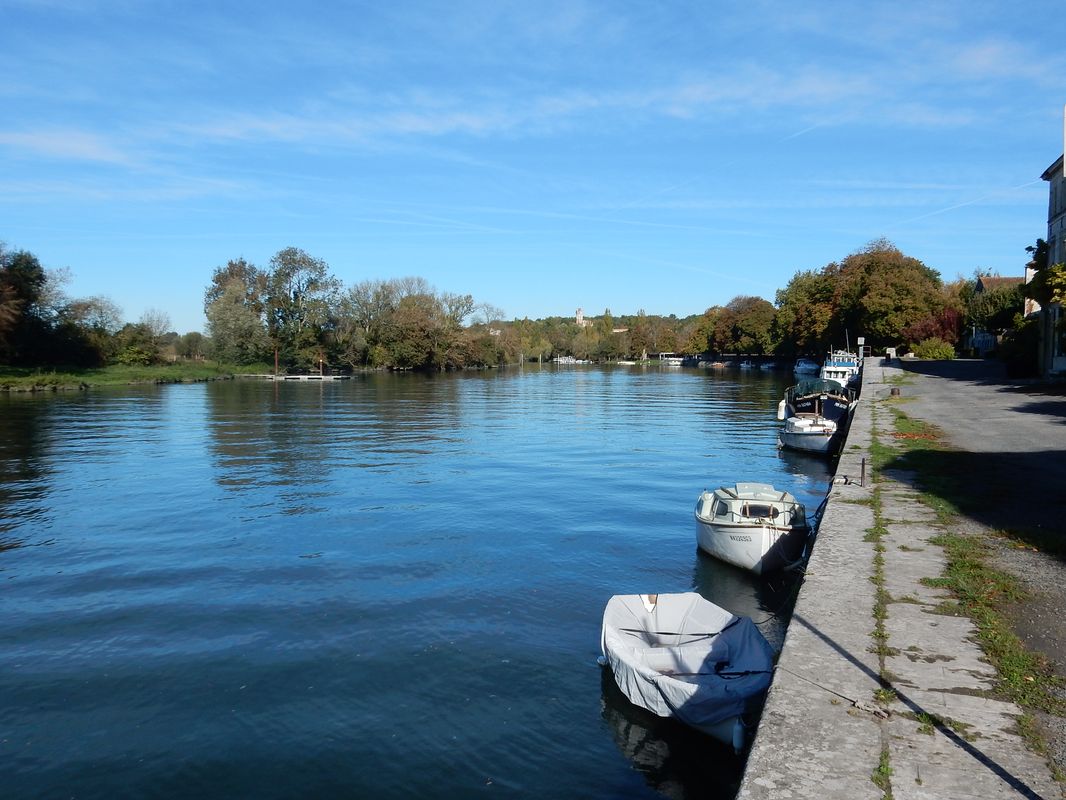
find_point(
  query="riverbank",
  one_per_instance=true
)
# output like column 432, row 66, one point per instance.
column 38, row 379
column 881, row 689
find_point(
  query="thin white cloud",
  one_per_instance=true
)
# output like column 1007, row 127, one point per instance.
column 67, row 145
column 997, row 60
column 156, row 188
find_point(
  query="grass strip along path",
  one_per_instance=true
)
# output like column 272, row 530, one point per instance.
column 982, row 592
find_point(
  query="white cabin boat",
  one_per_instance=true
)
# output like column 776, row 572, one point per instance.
column 806, row 366
column 843, row 368
column 752, row 526
column 681, row 656
column 810, row 432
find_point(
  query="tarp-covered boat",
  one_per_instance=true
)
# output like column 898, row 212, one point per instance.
column 679, row 655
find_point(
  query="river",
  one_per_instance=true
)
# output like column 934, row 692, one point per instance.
column 384, row 587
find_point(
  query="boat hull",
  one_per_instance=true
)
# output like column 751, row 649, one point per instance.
column 810, row 433
column 809, row 442
column 758, row 548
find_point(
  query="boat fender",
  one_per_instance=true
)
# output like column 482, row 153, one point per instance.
column 781, row 410
column 738, row 736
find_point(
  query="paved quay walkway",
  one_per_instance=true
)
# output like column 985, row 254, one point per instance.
column 826, row 731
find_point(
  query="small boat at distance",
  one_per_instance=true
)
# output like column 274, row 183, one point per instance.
column 806, row 366
column 681, row 656
column 752, row 526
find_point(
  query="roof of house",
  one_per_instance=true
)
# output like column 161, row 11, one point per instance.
column 988, row 283
column 1053, row 170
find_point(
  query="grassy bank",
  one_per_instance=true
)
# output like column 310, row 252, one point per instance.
column 28, row 379
column 982, row 592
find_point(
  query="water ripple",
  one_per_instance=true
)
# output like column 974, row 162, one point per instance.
column 386, row 587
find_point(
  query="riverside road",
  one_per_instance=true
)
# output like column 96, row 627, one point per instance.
column 828, row 729
column 1010, row 438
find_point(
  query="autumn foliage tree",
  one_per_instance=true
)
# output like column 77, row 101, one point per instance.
column 879, row 292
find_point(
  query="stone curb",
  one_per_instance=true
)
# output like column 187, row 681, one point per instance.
column 822, row 735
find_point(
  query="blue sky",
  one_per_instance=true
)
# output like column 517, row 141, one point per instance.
column 540, row 156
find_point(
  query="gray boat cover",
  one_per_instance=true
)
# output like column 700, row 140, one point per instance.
column 678, row 655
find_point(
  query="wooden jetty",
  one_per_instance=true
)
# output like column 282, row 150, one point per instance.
column 269, row 377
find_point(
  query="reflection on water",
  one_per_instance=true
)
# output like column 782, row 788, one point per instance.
column 766, row 600
column 389, row 587
column 22, row 468
column 674, row 760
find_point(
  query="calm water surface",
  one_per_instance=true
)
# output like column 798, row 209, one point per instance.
column 388, row 587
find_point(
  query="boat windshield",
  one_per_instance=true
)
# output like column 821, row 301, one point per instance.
column 816, row 386
column 758, row 510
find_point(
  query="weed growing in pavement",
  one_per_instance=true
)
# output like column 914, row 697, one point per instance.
column 928, row 723
column 882, row 776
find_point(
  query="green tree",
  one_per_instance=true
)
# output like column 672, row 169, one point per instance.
column 24, row 327
column 192, row 345
column 640, row 335
column 88, row 326
column 363, row 314
column 301, row 296
column 247, row 275
column 702, row 339
column 236, row 331
column 805, row 310
column 410, row 339
column 1048, row 284
column 879, row 292
column 994, row 310
column 135, row 344
column 745, row 325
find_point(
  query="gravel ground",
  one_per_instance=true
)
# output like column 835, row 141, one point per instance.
column 1010, row 443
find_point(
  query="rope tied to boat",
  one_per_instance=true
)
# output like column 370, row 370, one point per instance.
column 698, row 634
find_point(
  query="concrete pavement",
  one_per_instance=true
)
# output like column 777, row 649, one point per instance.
column 826, row 730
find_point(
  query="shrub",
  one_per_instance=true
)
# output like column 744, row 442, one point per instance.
column 933, row 348
column 1021, row 346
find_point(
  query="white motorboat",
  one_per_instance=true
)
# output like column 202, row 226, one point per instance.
column 752, row 526
column 843, row 368
column 681, row 656
column 810, row 432
column 806, row 366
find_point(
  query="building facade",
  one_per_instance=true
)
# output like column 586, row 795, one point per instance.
column 1053, row 334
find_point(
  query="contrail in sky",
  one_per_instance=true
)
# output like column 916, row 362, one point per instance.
column 968, row 202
